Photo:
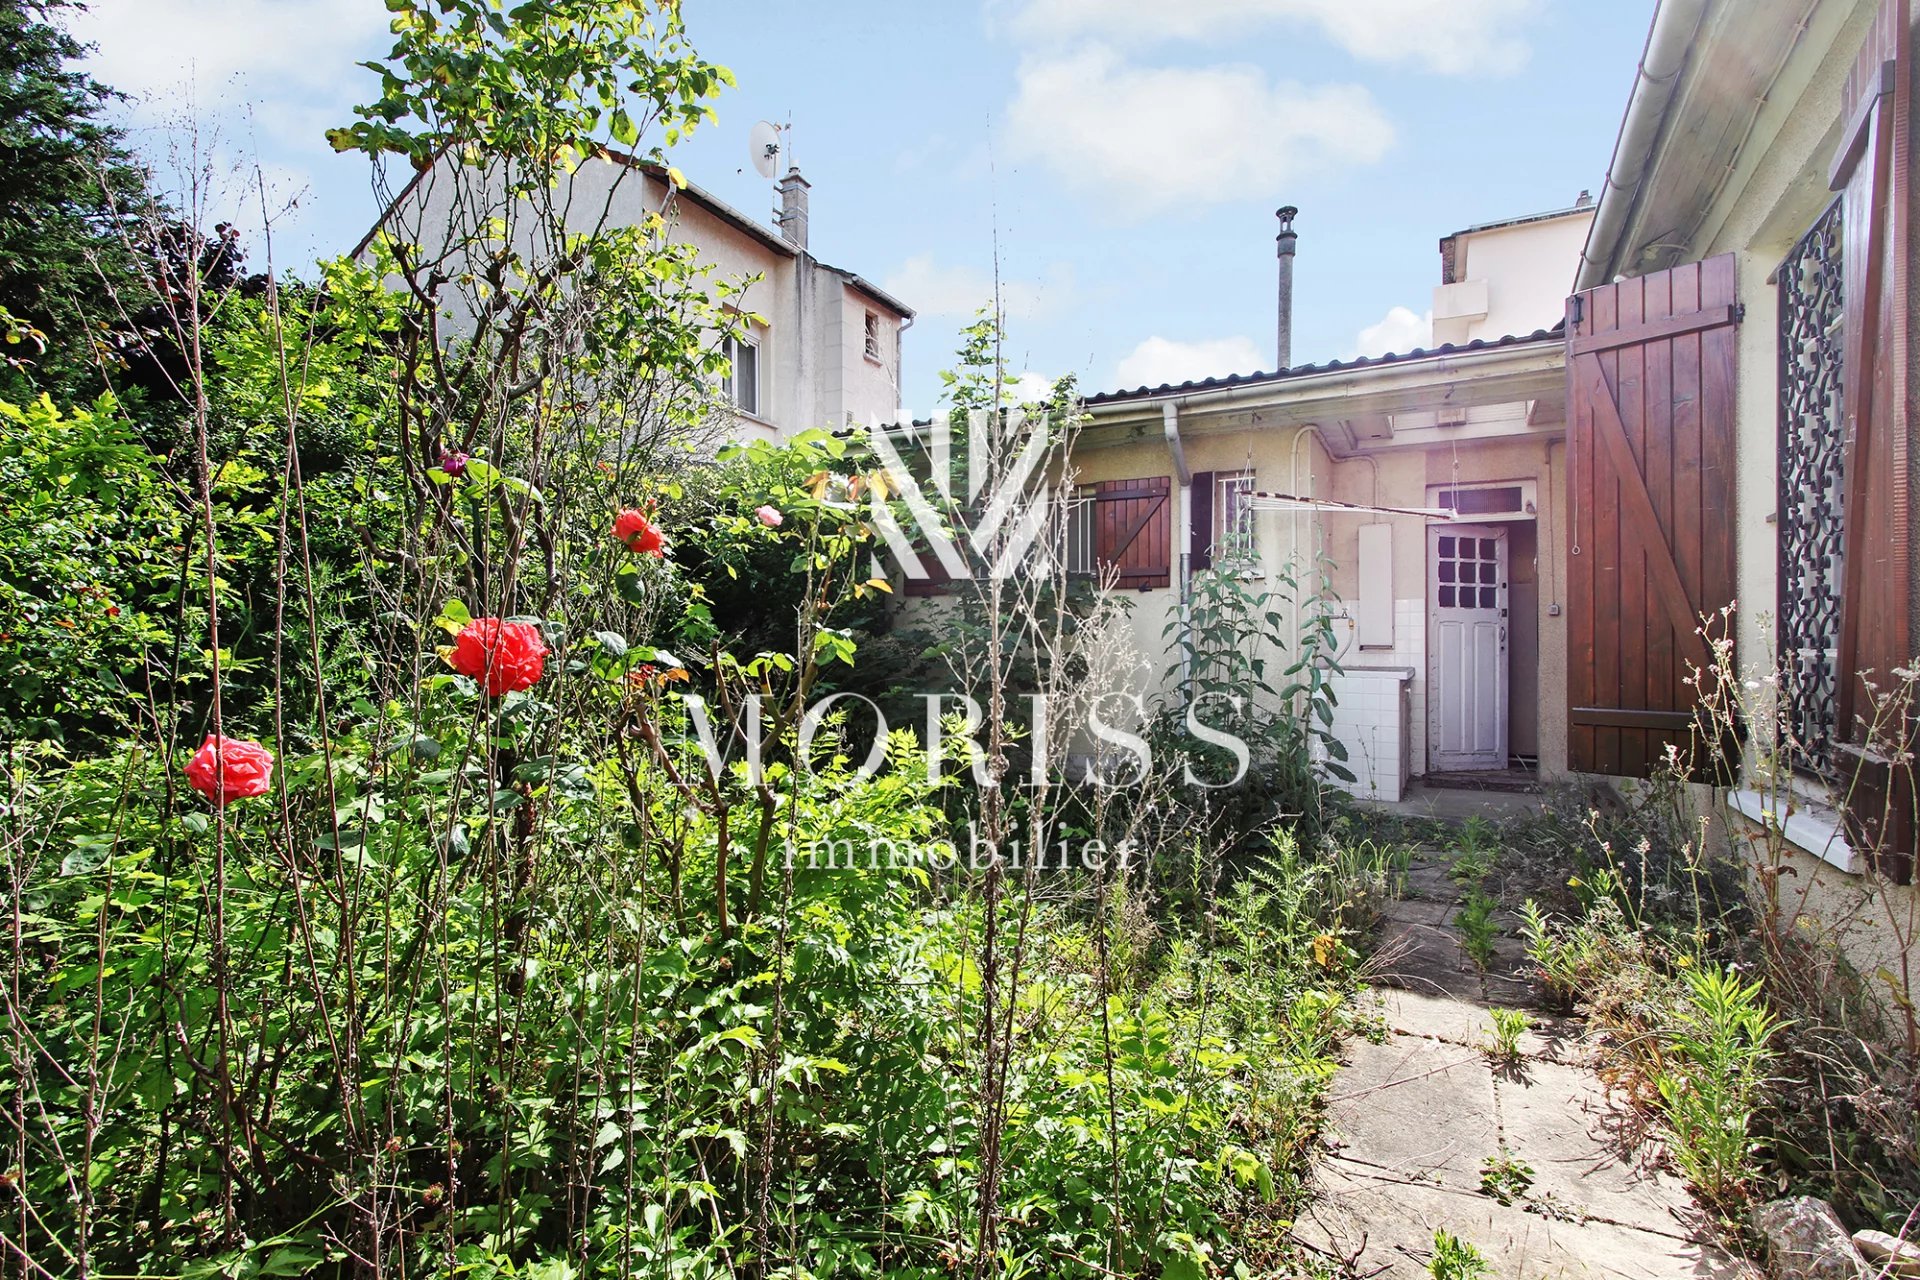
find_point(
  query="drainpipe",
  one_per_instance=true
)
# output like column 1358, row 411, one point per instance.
column 1669, row 42
column 1183, row 514
column 1301, row 436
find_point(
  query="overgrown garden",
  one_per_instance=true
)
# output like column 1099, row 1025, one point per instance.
column 372, row 907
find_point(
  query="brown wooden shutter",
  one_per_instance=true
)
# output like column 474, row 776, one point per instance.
column 1650, row 477
column 1202, row 490
column 1133, row 531
column 1873, row 169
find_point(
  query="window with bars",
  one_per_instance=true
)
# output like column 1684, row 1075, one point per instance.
column 1233, row 518
column 1078, row 527
column 1811, row 508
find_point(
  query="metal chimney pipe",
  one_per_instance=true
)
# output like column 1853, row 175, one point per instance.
column 1286, row 241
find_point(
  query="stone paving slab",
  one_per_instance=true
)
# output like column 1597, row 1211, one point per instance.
column 1386, row 1226
column 1586, row 1151
column 1384, row 1104
column 1470, row 1024
column 1412, row 1121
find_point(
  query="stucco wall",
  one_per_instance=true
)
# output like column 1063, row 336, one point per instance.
column 1296, row 460
column 1402, row 477
column 869, row 388
column 1528, row 270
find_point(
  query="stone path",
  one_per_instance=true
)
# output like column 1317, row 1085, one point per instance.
column 1415, row 1117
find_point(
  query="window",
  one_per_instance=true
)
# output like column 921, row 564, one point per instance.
column 1079, row 553
column 1232, row 530
column 1811, row 520
column 1485, row 502
column 1503, row 500
column 873, row 336
column 741, row 384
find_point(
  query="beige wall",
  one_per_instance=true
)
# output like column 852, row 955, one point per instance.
column 1296, row 460
column 1402, row 477
column 1523, row 273
column 868, row 389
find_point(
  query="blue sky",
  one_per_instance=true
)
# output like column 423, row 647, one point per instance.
column 1128, row 153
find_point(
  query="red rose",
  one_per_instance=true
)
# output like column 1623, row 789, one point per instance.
column 228, row 769
column 641, row 535
column 504, row 656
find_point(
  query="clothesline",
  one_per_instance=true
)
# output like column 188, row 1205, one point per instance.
column 1263, row 501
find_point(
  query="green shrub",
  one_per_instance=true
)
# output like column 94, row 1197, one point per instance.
column 1477, row 928
column 1713, row 1080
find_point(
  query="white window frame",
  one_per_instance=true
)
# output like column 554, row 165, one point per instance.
column 1226, row 483
column 1529, row 500
column 870, row 337
column 729, row 382
column 1080, row 558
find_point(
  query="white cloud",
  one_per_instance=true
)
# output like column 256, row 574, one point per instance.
column 934, row 288
column 1159, row 360
column 1399, row 331
column 271, row 50
column 1145, row 139
column 1031, row 387
column 1456, row 37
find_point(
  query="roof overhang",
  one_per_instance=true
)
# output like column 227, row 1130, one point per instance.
column 1710, row 71
column 1529, row 372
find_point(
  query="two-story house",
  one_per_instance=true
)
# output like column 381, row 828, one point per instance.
column 825, row 347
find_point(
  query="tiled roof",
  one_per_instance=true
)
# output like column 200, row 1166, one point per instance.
column 1332, row 366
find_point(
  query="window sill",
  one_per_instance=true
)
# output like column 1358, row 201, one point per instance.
column 1806, row 824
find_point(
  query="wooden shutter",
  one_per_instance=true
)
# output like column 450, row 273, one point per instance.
column 1202, row 491
column 1133, row 531
column 1650, row 479
column 1873, row 170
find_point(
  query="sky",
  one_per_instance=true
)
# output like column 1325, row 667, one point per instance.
column 1120, row 159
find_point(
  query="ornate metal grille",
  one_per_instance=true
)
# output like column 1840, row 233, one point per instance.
column 1812, row 499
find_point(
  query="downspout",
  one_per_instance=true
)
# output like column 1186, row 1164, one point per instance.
column 1669, row 43
column 1183, row 513
column 1306, row 433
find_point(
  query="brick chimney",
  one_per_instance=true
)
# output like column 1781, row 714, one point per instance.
column 793, row 208
column 1285, row 244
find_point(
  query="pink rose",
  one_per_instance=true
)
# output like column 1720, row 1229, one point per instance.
column 228, row 769
column 770, row 516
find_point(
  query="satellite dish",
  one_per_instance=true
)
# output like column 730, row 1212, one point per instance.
column 763, row 144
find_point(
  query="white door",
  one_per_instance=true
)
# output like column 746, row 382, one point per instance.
column 1466, row 647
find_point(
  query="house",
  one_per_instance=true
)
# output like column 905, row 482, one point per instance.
column 1741, row 390
column 1452, row 632
column 825, row 350
column 1526, row 525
